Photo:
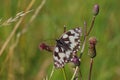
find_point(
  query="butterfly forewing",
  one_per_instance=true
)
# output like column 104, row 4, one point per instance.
column 67, row 47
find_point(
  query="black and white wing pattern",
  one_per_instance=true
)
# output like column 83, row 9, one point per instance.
column 67, row 47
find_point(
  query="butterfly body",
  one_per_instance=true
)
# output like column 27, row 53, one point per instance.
column 61, row 43
column 66, row 47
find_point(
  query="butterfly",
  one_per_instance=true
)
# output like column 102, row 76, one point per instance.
column 66, row 47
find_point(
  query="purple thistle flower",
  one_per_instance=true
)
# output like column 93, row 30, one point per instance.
column 46, row 47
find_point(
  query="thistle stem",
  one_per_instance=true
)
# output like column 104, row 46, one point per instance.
column 84, row 41
column 64, row 28
column 91, row 64
column 86, row 34
column 92, row 24
column 83, row 47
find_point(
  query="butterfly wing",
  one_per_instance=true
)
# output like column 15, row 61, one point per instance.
column 61, row 56
column 70, row 45
column 72, row 37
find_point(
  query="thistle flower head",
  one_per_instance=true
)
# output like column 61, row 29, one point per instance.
column 46, row 47
column 75, row 60
column 42, row 46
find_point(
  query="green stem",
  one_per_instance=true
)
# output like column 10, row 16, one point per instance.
column 64, row 74
column 80, row 74
column 51, row 74
column 74, row 73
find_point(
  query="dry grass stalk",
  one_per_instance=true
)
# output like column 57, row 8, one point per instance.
column 12, row 34
column 14, row 29
column 19, row 15
column 14, row 19
column 32, row 18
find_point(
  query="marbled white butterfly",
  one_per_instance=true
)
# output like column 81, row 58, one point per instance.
column 66, row 47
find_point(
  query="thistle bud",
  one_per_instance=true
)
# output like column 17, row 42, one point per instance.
column 46, row 47
column 92, row 49
column 75, row 60
column 96, row 9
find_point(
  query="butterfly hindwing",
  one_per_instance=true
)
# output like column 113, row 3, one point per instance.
column 61, row 56
column 67, row 47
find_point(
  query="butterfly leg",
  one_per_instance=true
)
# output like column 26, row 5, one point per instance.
column 64, row 28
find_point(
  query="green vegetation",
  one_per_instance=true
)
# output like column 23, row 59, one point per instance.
column 23, row 60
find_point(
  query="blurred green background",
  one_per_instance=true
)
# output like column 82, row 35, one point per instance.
column 27, row 62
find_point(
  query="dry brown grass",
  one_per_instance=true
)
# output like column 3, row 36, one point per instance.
column 20, row 15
